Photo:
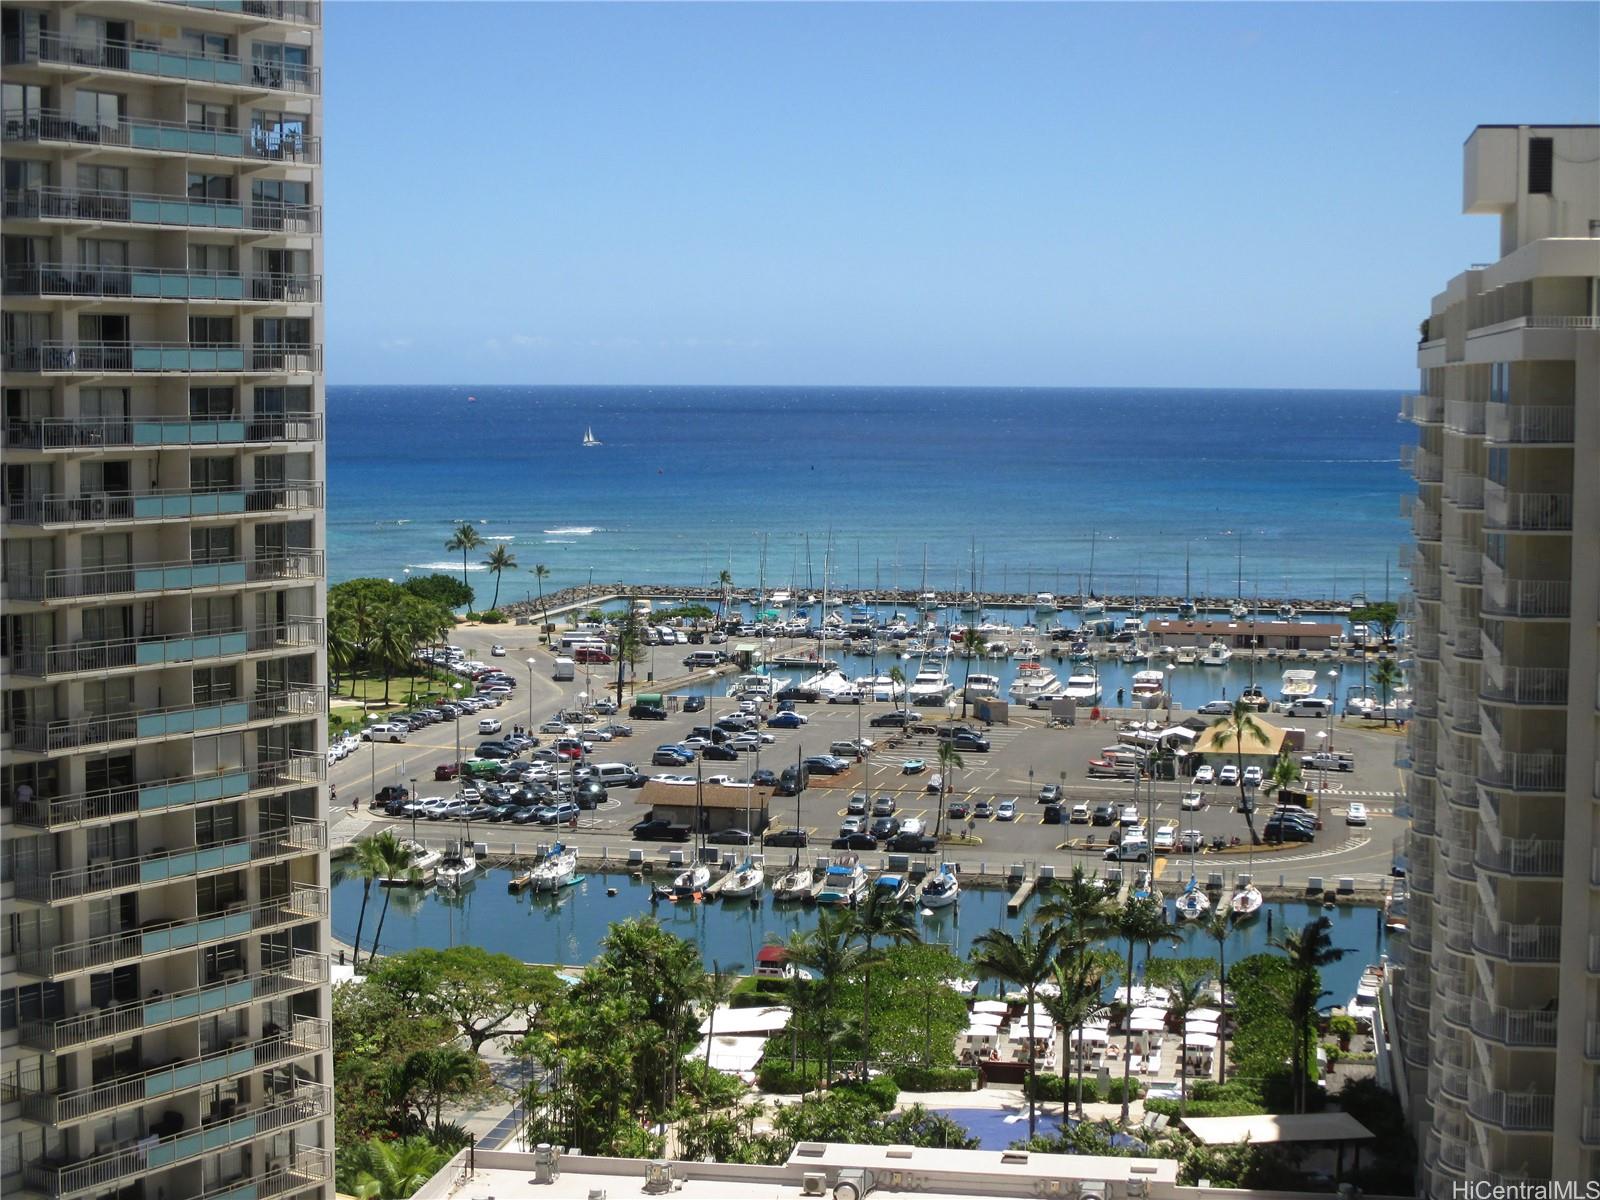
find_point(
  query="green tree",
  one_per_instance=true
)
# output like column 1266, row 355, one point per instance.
column 949, row 760
column 442, row 590
column 1027, row 962
column 465, row 539
column 1239, row 724
column 394, row 861
column 1384, row 615
column 540, row 574
column 384, row 1170
column 1308, row 950
column 366, row 864
column 1263, row 1031
column 435, row 1075
column 828, row 952
column 1139, row 922
column 1219, row 927
column 724, row 588
column 499, row 561
column 1385, row 677
column 1079, row 907
column 1285, row 774
column 718, row 991
column 1189, row 989
column 482, row 994
column 1080, row 982
column 879, row 917
column 341, row 646
column 392, row 645
column 971, row 643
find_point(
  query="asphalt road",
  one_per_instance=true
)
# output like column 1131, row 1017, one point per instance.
column 1026, row 754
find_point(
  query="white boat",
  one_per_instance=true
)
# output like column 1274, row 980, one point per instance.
column 1187, row 610
column 691, row 881
column 796, row 884
column 1238, row 612
column 891, row 887
column 457, row 866
column 1298, row 684
column 1185, row 656
column 778, row 599
column 556, row 870
column 1034, row 680
column 744, row 881
column 1246, row 902
column 940, row 889
column 1149, row 688
column 1092, row 608
column 1288, row 612
column 1044, row 602
column 589, row 438
column 1363, row 1006
column 1255, row 698
column 931, row 686
column 843, row 882
column 1083, row 686
column 1131, row 625
column 1192, row 903
column 1218, row 654
column 881, row 687
column 1132, row 654
column 424, row 865
column 757, row 687
column 928, row 601
column 982, row 687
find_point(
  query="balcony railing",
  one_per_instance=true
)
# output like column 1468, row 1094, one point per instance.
column 1525, row 685
column 258, row 143
column 95, row 433
column 1464, row 560
column 304, row 1102
column 1532, row 858
column 144, row 58
column 75, row 657
column 165, row 504
column 163, row 795
column 158, row 283
column 1544, row 511
column 1528, row 1027
column 1528, row 424
column 179, row 721
column 304, row 903
column 152, row 870
column 161, row 358
column 1530, row 598
column 1425, row 524
column 303, row 970
column 148, row 208
column 294, row 12
column 1523, row 772
column 1518, row 943
column 180, row 576
column 1515, row 1111
column 1464, row 417
column 56, row 1107
column 1465, row 490
column 1425, row 581
column 1422, row 409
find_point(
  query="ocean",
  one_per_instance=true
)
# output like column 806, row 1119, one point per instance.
column 1029, row 489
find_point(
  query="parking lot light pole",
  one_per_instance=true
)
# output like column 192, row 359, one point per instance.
column 411, row 798
column 532, row 662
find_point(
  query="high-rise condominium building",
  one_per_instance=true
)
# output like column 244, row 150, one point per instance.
column 164, row 994
column 1499, row 1002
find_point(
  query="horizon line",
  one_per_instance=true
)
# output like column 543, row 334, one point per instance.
column 996, row 387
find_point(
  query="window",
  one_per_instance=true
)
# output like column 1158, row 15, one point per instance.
column 102, row 252
column 212, row 403
column 103, row 327
column 23, row 103
column 279, row 401
column 92, row 110
column 111, row 771
column 211, row 331
column 218, row 259
column 209, row 614
column 1500, row 383
column 24, row 175
column 201, row 115
column 1499, row 469
column 204, row 44
column 219, row 824
column 210, row 187
column 212, row 685
column 34, row 1002
column 102, row 402
column 1541, row 166
column 275, row 133
column 280, row 191
column 212, row 754
column 114, row 624
column 283, row 331
column 108, row 697
column 219, row 474
column 213, row 544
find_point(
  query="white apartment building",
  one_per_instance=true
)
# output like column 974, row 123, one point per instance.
column 1498, row 1004
column 164, row 1003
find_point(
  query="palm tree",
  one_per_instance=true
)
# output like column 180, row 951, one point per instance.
column 1027, row 962
column 881, row 916
column 438, row 1072
column 341, row 645
column 897, row 677
column 1236, row 726
column 1219, row 926
column 718, row 990
column 1190, row 991
column 366, row 866
column 396, row 1170
column 500, row 559
column 949, row 760
column 465, row 539
column 1285, row 773
column 1078, row 907
column 1386, row 677
column 826, row 951
column 392, row 644
column 1079, row 982
column 1139, row 922
column 1308, row 951
column 540, row 574
column 971, row 643
column 725, row 585
column 394, row 860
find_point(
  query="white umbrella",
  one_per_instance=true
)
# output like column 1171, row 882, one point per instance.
column 1147, row 1025
column 990, row 1006
column 1203, row 1040
column 1206, row 1014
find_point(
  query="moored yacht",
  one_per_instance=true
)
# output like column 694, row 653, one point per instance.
column 556, row 870
column 744, row 881
column 1246, row 901
column 1033, row 680
column 940, row 889
column 1083, row 686
column 1218, row 654
column 930, row 686
column 1255, row 698
column 1044, row 602
column 1186, row 656
column 796, row 884
column 691, row 882
column 458, row 865
column 843, row 883
column 1298, row 684
column 424, row 863
column 1149, row 688
column 981, row 687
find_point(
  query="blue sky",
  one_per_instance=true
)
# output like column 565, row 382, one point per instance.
column 1246, row 195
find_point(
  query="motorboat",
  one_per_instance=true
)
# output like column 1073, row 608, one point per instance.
column 930, row 686
column 1363, row 1006
column 1044, row 602
column 556, row 870
column 1192, row 902
column 1131, row 624
column 939, row 889
column 1186, row 656
column 982, row 687
column 881, row 687
column 1245, row 902
column 691, row 881
column 744, row 882
column 423, row 869
column 1034, row 680
column 1092, row 608
column 928, row 601
column 756, row 687
column 458, row 865
column 520, row 879
column 1238, row 611
column 796, row 884
column 1298, row 684
column 996, row 649
column 1288, row 612
column 1255, row 698
column 1218, row 654
column 1187, row 610
column 779, row 599
column 1025, row 649
column 1149, row 688
column 891, row 888
column 843, row 882
column 1082, row 686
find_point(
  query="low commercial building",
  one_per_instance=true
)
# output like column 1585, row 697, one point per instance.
column 1245, row 635
column 708, row 807
column 1217, row 745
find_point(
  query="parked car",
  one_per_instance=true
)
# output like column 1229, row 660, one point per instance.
column 1080, row 814
column 786, row 837
column 489, row 725
column 1192, row 801
column 957, row 810
column 1055, row 813
column 1007, row 811
column 1279, row 830
column 656, row 829
column 896, row 719
column 383, row 732
column 884, row 827
column 786, row 720
column 1215, row 708
column 694, row 704
column 855, row 841
column 907, row 842
column 884, row 806
column 1228, row 776
column 1104, row 814
column 646, row 712
column 445, row 772
column 1252, row 777
column 970, row 742
column 731, row 837
column 764, row 778
column 1206, row 774
column 826, row 764
column 1050, row 793
column 1130, row 849
column 719, row 754
column 1129, row 815
column 1356, row 814
column 852, row 825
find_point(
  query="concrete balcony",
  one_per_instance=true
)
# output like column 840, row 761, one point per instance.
column 53, row 813
column 1535, row 512
column 155, row 938
column 151, row 579
column 1522, row 858
column 162, row 358
column 1422, row 409
column 154, row 869
column 152, row 60
column 1515, row 1112
column 1518, row 1028
column 166, row 504
column 172, row 650
column 1464, row 561
column 100, row 433
column 44, row 737
column 1426, row 643
column 1544, row 771
column 303, row 970
column 159, row 1081
column 1525, row 599
column 1425, row 581
column 64, row 280
column 87, row 206
column 1517, row 943
column 290, row 12
column 1464, row 417
column 147, row 135
column 1524, row 685
column 1425, row 466
column 1465, row 490
column 120, row 1166
column 1529, row 425
column 308, row 1168
column 1425, row 525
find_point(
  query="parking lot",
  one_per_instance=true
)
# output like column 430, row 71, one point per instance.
column 1026, row 754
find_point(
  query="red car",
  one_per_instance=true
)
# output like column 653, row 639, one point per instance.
column 569, row 748
column 446, row 771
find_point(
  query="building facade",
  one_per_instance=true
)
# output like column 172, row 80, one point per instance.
column 1498, row 1004
column 164, row 1006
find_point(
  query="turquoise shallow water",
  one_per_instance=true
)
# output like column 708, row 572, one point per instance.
column 567, row 930
column 690, row 480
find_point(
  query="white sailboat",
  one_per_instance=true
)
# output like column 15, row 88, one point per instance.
column 796, row 883
column 556, row 870
column 1246, row 901
column 744, row 881
column 589, row 438
column 940, row 889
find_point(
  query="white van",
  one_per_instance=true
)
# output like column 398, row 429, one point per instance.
column 1311, row 706
column 613, row 774
column 565, row 668
column 572, row 641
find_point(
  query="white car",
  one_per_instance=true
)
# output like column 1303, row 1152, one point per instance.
column 553, row 726
column 1206, row 774
column 446, row 809
column 1228, row 776
column 1191, row 839
column 1007, row 811
column 912, row 825
column 1080, row 814
column 1166, row 838
column 1192, row 801
column 728, row 781
column 497, row 651
column 1356, row 814
column 383, row 733
column 744, row 741
column 1129, row 815
column 1252, row 777
column 674, row 780
column 489, row 725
